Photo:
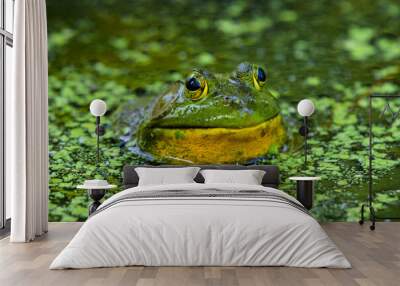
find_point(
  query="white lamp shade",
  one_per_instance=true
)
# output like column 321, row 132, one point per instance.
column 98, row 107
column 305, row 107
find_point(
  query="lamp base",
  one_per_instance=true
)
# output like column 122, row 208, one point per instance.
column 96, row 195
column 305, row 193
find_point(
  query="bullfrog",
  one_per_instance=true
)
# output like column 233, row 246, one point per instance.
column 213, row 118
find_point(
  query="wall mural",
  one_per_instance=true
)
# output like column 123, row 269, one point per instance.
column 208, row 119
column 219, row 82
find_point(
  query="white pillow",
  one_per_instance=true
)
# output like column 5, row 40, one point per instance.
column 166, row 176
column 248, row 177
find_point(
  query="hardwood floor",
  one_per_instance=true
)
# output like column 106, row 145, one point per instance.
column 375, row 257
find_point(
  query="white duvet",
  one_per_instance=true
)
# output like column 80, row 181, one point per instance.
column 200, row 231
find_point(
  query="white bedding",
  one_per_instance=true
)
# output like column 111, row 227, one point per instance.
column 200, row 231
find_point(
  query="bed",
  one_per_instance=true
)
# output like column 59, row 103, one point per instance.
column 197, row 224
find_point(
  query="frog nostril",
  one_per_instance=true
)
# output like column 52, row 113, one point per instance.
column 232, row 100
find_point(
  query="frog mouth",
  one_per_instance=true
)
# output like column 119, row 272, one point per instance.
column 216, row 144
column 208, row 126
column 220, row 129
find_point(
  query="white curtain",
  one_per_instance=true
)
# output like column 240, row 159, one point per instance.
column 26, row 127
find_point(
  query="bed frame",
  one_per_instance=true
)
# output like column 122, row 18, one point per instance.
column 271, row 177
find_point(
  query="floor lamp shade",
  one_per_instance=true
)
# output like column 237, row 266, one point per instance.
column 305, row 107
column 98, row 107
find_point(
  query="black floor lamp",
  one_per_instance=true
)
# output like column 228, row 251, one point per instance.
column 305, row 184
column 96, row 188
column 305, row 108
column 98, row 108
column 371, row 193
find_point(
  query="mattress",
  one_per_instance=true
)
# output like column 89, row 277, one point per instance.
column 201, row 225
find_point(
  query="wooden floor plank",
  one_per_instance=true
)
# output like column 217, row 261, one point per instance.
column 375, row 257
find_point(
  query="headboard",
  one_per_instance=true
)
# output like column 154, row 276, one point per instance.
column 271, row 177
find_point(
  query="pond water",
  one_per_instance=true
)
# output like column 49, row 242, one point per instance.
column 333, row 52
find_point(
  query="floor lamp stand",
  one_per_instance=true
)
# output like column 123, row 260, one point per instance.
column 99, row 132
column 305, row 141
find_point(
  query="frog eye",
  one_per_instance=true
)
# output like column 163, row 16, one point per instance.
column 193, row 84
column 196, row 86
column 259, row 77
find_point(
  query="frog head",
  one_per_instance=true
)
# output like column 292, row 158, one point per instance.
column 214, row 118
column 207, row 100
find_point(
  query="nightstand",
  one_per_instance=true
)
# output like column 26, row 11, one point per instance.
column 96, row 190
column 305, row 190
